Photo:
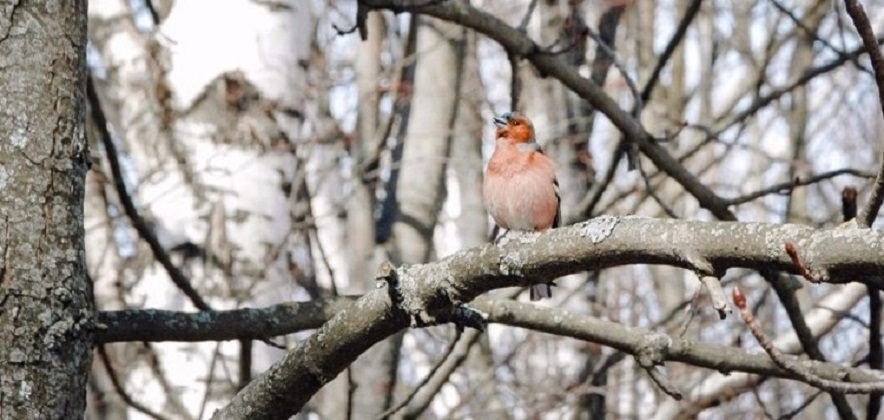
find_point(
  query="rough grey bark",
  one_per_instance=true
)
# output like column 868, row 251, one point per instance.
column 426, row 294
column 45, row 300
column 631, row 340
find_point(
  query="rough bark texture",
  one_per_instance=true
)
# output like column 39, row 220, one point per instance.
column 432, row 293
column 45, row 301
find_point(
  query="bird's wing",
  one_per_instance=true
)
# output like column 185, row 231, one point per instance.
column 534, row 146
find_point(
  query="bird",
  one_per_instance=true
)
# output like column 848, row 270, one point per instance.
column 520, row 187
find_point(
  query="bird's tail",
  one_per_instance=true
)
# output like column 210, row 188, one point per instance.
column 540, row 291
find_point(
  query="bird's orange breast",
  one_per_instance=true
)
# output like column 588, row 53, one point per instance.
column 519, row 189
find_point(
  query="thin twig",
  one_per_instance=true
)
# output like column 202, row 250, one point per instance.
column 676, row 39
column 652, row 192
column 663, row 382
column 797, row 410
column 527, row 18
column 630, row 83
column 105, row 360
column 689, row 311
column 783, row 362
column 876, row 354
column 870, row 42
column 396, row 408
column 140, row 225
column 810, row 32
column 787, row 187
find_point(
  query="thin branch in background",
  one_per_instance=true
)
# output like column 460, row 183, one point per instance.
column 808, row 31
column 105, row 361
column 245, row 363
column 761, row 102
column 515, row 81
column 652, row 192
column 839, row 387
column 210, row 376
column 676, row 39
column 152, row 11
column 761, row 403
column 351, row 390
column 870, row 42
column 431, row 390
column 389, row 207
column 173, row 397
column 527, row 18
column 660, row 379
column 140, row 225
column 876, row 354
column 689, row 311
column 638, row 103
column 788, row 187
column 396, row 408
column 797, row 410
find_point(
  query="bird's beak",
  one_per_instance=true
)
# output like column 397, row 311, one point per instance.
column 500, row 121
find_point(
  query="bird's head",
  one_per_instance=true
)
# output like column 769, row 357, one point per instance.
column 514, row 127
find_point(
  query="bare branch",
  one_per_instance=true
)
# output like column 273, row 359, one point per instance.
column 787, row 187
column 115, row 381
column 676, row 39
column 864, row 27
column 433, row 293
column 516, row 42
column 140, row 225
column 836, row 386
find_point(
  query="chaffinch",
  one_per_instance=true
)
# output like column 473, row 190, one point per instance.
column 520, row 187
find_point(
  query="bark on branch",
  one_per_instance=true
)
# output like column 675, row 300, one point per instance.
column 435, row 292
column 550, row 320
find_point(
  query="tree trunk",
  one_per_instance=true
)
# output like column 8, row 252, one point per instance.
column 45, row 299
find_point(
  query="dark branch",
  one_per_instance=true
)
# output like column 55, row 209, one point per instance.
column 140, row 225
column 870, row 43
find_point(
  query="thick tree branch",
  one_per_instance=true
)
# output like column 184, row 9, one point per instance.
column 831, row 255
column 244, row 323
column 433, row 293
column 562, row 322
